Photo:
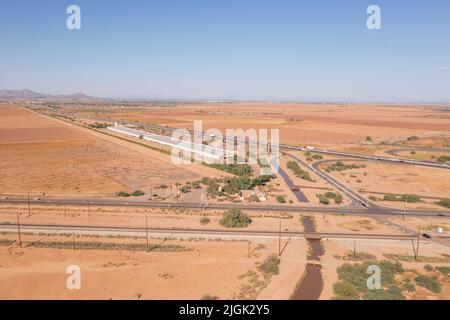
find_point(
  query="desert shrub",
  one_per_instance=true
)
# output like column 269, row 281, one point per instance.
column 340, row 166
column 344, row 290
column 97, row 125
column 444, row 203
column 270, row 265
column 409, row 287
column 123, row 194
column 235, row 218
column 411, row 138
column 186, row 189
column 392, row 293
column 337, row 197
column 323, row 199
column 317, row 157
column 236, row 169
column 208, row 296
column 369, row 138
column 195, row 185
column 430, row 283
column 204, row 220
column 428, row 267
column 373, row 198
column 299, row 172
column 235, row 184
column 281, row 199
column 410, row 198
column 443, row 159
column 413, row 152
column 137, row 193
column 261, row 180
column 444, row 270
column 390, row 197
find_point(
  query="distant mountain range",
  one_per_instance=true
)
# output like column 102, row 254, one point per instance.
column 29, row 95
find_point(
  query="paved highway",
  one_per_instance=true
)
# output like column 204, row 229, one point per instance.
column 225, row 206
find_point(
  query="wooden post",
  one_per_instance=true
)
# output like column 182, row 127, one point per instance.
column 418, row 241
column 354, row 248
column 18, row 230
column 29, row 206
column 279, row 238
column 146, row 232
column 404, row 209
column 73, row 240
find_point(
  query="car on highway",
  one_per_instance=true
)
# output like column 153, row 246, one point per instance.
column 426, row 235
column 36, row 199
column 3, row 198
column 441, row 215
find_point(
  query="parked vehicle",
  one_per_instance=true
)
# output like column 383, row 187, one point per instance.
column 426, row 235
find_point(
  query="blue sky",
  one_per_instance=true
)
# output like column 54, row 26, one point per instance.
column 315, row 50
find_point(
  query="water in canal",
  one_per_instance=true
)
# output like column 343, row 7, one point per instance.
column 311, row 284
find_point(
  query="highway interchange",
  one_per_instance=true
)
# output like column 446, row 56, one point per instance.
column 359, row 204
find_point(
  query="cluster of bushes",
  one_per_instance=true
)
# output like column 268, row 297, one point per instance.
column 235, row 218
column 328, row 196
column 352, row 284
column 236, row 169
column 233, row 185
column 410, row 198
column 443, row 159
column 340, row 166
column 136, row 193
column 431, row 283
column 204, row 220
column 98, row 125
column 270, row 266
column 412, row 138
column 444, row 203
column 85, row 245
column 299, row 172
column 281, row 199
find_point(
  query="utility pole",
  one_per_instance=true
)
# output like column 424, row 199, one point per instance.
column 279, row 238
column 404, row 209
column 28, row 201
column 418, row 241
column 18, row 230
column 146, row 232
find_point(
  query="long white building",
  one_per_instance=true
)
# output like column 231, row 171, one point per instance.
column 208, row 153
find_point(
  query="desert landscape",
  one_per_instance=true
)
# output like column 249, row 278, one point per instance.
column 116, row 205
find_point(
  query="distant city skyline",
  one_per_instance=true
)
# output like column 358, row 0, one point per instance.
column 312, row 51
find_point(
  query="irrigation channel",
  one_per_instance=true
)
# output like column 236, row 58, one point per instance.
column 310, row 285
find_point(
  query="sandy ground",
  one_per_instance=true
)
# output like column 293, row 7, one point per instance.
column 300, row 123
column 135, row 217
column 53, row 157
column 352, row 224
column 397, row 179
column 213, row 268
column 292, row 267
